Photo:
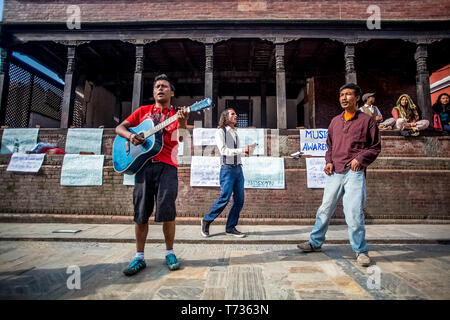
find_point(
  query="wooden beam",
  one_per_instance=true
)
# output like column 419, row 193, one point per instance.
column 281, row 87
column 271, row 61
column 94, row 52
column 54, row 55
column 138, row 82
column 121, row 54
column 69, row 89
column 186, row 55
column 251, row 55
column 423, row 83
column 228, row 49
column 170, row 61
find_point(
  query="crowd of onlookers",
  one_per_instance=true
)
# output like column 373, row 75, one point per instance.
column 406, row 116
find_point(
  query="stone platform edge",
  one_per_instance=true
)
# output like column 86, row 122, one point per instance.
column 115, row 219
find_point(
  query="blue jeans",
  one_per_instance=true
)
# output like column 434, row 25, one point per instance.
column 352, row 186
column 231, row 182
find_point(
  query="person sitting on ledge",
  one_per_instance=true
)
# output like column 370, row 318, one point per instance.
column 407, row 117
column 442, row 109
column 369, row 108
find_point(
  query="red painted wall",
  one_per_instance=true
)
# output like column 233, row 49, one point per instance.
column 435, row 77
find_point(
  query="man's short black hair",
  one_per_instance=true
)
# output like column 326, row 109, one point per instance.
column 164, row 77
column 353, row 87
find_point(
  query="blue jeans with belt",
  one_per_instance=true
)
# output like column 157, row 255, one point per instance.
column 352, row 187
column 231, row 182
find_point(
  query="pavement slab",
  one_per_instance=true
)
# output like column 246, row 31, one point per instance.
column 39, row 270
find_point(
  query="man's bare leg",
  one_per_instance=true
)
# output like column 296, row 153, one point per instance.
column 169, row 237
column 138, row 263
column 169, row 233
column 141, row 231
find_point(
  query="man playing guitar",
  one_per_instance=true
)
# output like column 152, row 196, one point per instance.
column 157, row 180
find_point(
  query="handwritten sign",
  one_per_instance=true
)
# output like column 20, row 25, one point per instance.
column 205, row 171
column 263, row 172
column 82, row 170
column 315, row 176
column 204, row 137
column 313, row 142
column 259, row 172
column 22, row 162
column 249, row 136
column 19, row 140
column 84, row 139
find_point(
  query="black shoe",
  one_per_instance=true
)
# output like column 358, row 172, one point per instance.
column 307, row 247
column 205, row 228
column 235, row 233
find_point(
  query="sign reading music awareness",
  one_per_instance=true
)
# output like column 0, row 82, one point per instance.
column 313, row 142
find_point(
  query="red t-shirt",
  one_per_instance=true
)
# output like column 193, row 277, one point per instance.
column 170, row 148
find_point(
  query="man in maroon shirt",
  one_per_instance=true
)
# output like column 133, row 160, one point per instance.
column 353, row 144
column 157, row 180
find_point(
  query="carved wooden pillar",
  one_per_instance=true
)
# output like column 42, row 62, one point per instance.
column 281, row 86
column 4, row 81
column 138, row 81
column 423, row 83
column 69, row 88
column 350, row 72
column 209, row 82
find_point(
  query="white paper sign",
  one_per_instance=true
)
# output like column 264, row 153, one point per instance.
column 259, row 172
column 263, row 172
column 23, row 139
column 315, row 176
column 84, row 139
column 205, row 171
column 313, row 142
column 128, row 179
column 204, row 137
column 82, row 170
column 180, row 148
column 249, row 136
column 22, row 162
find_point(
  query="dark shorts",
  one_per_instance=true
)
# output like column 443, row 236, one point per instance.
column 155, row 182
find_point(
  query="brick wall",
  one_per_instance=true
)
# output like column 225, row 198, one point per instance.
column 399, row 188
column 160, row 10
column 392, row 194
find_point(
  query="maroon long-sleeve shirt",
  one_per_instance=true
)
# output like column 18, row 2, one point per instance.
column 357, row 138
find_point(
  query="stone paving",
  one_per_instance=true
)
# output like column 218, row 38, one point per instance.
column 257, row 234
column 210, row 271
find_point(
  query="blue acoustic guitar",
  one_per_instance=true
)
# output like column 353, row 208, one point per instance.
column 128, row 158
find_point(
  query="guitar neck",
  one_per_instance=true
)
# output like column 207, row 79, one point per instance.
column 161, row 125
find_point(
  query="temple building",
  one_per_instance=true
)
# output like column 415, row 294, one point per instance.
column 278, row 63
